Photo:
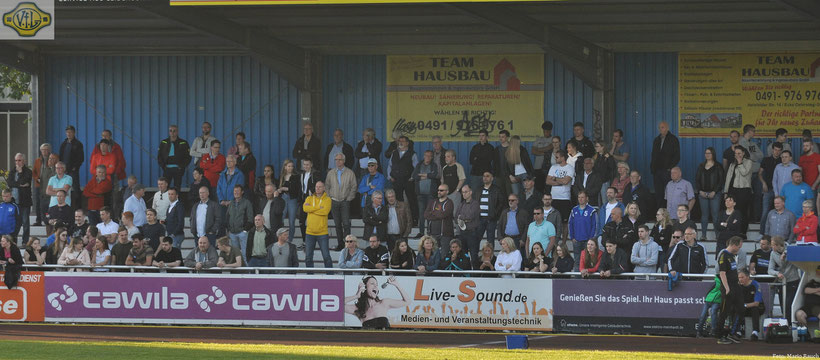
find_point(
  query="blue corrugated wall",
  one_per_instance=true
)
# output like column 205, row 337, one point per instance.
column 138, row 97
column 355, row 99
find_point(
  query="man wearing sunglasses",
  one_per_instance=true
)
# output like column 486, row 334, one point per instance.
column 282, row 253
column 439, row 215
column 687, row 257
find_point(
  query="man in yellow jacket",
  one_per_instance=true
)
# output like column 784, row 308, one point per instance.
column 317, row 206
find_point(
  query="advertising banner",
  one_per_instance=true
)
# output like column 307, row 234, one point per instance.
column 25, row 301
column 455, row 96
column 195, row 299
column 448, row 303
column 718, row 93
column 637, row 306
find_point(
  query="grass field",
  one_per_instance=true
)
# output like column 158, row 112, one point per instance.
column 171, row 350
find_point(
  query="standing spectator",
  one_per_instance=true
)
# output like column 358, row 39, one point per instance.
column 97, row 189
column 457, row 259
column 230, row 178
column 809, row 138
column 662, row 232
column 339, row 146
column 399, row 218
column 683, row 221
column 620, row 231
column 621, row 180
column 782, row 137
column 10, row 215
column 136, row 205
column 307, row 182
column 678, row 192
column 467, row 216
column 229, row 256
column 605, row 211
column 260, row 184
column 60, row 181
column 530, row 198
column 103, row 156
column 428, row 257
column 290, row 189
column 482, row 156
column 308, row 146
column 367, row 149
column 796, row 192
column 614, row 261
column 509, row 258
column 708, row 186
column 213, row 163
column 206, row 218
column 738, row 182
column 272, row 208
column 760, row 257
column 371, row 181
column 161, row 202
column 201, row 147
column 153, row 230
column 396, row 134
column 200, row 181
column 556, row 145
column 785, row 273
column 619, row 148
column 580, row 141
column 19, row 181
column 518, row 164
column 166, row 256
column 282, row 253
column 72, row 156
column 317, row 206
column 40, row 175
column 729, row 153
column 756, row 156
column 638, row 193
column 107, row 226
column 116, row 149
column 175, row 218
column 400, row 169
column 732, row 298
column 203, row 257
column 590, row 181
column 810, row 163
column 805, row 230
column 259, row 239
column 439, row 151
column 573, row 155
column 665, row 156
column 452, row 174
column 542, row 232
column 351, row 257
column 490, row 205
column 375, row 217
column 553, row 216
column 590, row 258
column 730, row 223
column 402, row 256
column 513, row 223
column 502, row 172
column 783, row 172
column 645, row 252
column 560, row 178
column 439, row 214
column 341, row 187
column 426, row 178
column 141, row 254
column 583, row 226
column 239, row 219
column 246, row 163
column 240, row 139
column 604, row 164
column 765, row 176
column 686, row 257
column 128, row 223
column 542, row 149
column 174, row 155
column 375, row 256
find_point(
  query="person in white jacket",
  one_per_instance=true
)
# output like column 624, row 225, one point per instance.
column 509, row 259
column 645, row 252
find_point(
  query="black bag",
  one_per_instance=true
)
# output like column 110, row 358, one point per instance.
column 12, row 276
column 779, row 334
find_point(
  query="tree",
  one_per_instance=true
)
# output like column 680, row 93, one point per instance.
column 15, row 82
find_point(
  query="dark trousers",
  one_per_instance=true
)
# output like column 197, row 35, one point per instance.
column 732, row 306
column 76, row 193
column 471, row 240
column 25, row 215
column 754, row 313
column 402, row 187
column 791, row 291
column 38, row 207
column 174, row 176
column 341, row 218
column 743, row 198
column 421, row 204
column 660, row 179
column 94, row 217
column 485, row 225
column 443, row 242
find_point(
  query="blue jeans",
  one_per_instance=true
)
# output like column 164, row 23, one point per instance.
column 423, row 199
column 707, row 308
column 310, row 245
column 240, row 241
column 178, row 239
column 257, row 262
column 291, row 207
column 708, row 207
column 577, row 248
column 767, row 201
column 25, row 214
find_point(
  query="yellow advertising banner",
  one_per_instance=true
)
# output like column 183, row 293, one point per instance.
column 326, row 2
column 455, row 96
column 721, row 92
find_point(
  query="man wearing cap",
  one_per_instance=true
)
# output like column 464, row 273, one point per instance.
column 136, row 205
column 282, row 253
column 72, row 155
column 259, row 239
column 371, row 181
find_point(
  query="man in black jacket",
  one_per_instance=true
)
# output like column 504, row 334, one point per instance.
column 590, row 181
column 308, row 147
column 259, row 239
column 665, row 156
column 530, row 197
column 175, row 218
column 581, row 142
column 72, row 155
column 375, row 217
column 19, row 181
column 376, row 256
column 368, row 148
column 490, row 204
column 173, row 157
column 687, row 257
column 614, row 261
column 639, row 193
column 621, row 232
column 339, row 146
column 400, row 173
column 481, row 159
column 206, row 217
column 271, row 208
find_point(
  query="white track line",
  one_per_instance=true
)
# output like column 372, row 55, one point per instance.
column 497, row 342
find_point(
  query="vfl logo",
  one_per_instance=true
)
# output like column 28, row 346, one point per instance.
column 217, row 298
column 27, row 19
column 68, row 296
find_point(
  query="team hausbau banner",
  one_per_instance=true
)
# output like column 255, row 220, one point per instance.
column 455, row 96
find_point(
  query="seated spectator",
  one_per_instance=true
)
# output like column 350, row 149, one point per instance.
column 259, row 239
column 687, row 257
column 282, row 253
column 351, row 256
column 152, row 229
column 509, row 259
column 61, row 212
column 760, row 257
column 752, row 303
column 403, row 257
column 141, row 254
column 55, row 249
column 590, row 258
column 35, row 253
column 645, row 252
column 811, row 300
column 102, row 256
column 614, row 261
column 536, row 261
column 203, row 257
column 79, row 226
column 805, row 230
column 167, row 256
column 107, row 227
column 428, row 256
column 229, row 256
column 486, row 257
column 376, row 256
column 74, row 255
column 711, row 304
column 90, row 238
column 457, row 259
column 563, row 261
column 120, row 250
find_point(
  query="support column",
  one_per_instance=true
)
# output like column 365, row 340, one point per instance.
column 603, row 104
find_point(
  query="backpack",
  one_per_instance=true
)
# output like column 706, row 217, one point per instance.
column 778, row 334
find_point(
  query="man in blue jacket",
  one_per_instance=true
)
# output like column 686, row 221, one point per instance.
column 583, row 225
column 9, row 214
column 229, row 178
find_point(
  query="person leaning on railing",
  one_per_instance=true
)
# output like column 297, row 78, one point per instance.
column 351, row 256
column 509, row 259
column 590, row 258
column 12, row 261
column 428, row 257
column 563, row 261
column 203, row 257
column 102, row 256
column 35, row 252
column 75, row 255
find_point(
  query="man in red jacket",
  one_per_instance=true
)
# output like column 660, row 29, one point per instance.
column 95, row 191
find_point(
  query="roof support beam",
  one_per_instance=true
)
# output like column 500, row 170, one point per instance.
column 582, row 57
column 286, row 59
column 809, row 9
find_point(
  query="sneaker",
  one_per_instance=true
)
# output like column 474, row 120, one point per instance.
column 754, row 336
column 724, row 341
column 733, row 338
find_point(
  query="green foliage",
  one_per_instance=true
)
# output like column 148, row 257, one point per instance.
column 15, row 82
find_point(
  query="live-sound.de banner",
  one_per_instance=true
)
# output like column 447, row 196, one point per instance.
column 448, row 303
column 455, row 96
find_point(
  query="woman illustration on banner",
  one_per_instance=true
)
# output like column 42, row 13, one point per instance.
column 369, row 308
